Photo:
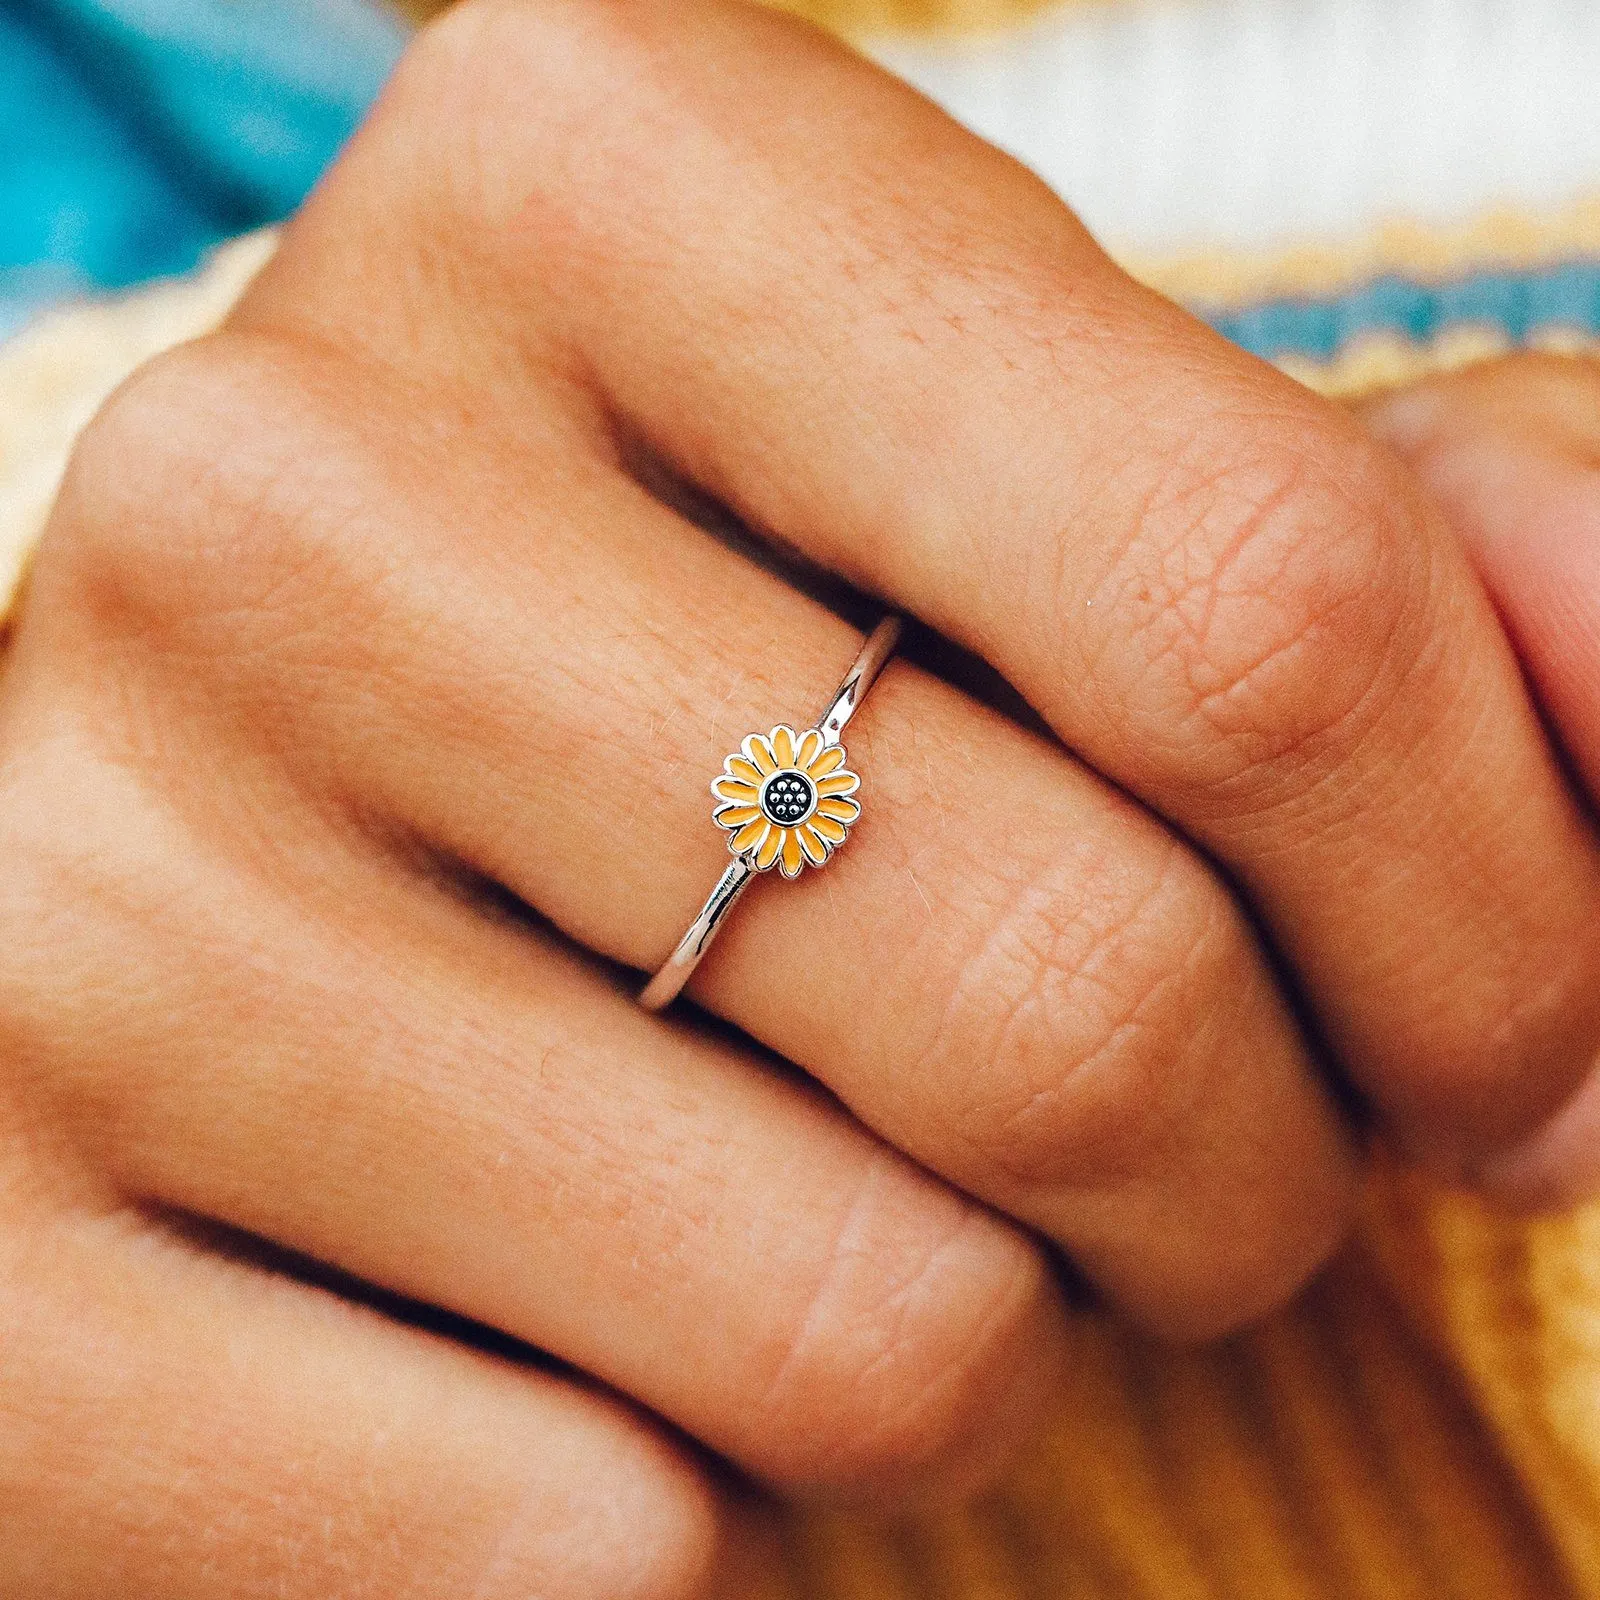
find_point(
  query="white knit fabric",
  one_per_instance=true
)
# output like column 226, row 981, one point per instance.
column 1189, row 124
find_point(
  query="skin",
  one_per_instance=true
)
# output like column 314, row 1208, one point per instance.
column 354, row 744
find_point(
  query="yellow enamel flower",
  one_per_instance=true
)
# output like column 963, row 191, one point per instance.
column 785, row 800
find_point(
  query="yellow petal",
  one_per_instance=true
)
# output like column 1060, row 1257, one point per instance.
column 759, row 754
column 750, row 835
column 839, row 809
column 793, row 860
column 735, row 816
column 735, row 791
column 839, row 783
column 814, row 845
column 782, row 738
column 770, row 846
column 738, row 767
column 826, row 761
column 830, row 828
column 807, row 748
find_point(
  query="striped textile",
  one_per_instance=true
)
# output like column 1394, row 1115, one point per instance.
column 1318, row 178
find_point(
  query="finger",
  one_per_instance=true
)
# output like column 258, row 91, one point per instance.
column 381, row 1077
column 909, row 362
column 1009, row 971
column 1511, row 450
column 180, row 1427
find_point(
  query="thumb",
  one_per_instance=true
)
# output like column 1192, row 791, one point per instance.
column 1511, row 452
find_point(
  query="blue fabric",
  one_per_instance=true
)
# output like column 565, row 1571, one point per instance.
column 1517, row 303
column 136, row 134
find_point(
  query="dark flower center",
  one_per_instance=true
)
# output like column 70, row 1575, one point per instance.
column 787, row 798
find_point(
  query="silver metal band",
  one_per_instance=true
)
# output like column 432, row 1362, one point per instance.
column 668, row 983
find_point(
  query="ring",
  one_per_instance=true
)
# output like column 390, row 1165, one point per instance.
column 784, row 799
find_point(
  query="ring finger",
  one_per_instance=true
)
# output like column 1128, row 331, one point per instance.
column 499, row 1131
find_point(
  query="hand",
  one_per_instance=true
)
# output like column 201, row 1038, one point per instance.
column 358, row 728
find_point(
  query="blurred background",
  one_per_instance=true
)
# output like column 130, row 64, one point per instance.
column 1326, row 180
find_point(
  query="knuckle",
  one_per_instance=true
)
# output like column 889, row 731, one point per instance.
column 1123, row 1077
column 197, row 500
column 1074, row 1025
column 1267, row 608
column 151, row 474
column 463, row 46
column 1484, row 1076
column 136, row 455
column 904, row 1371
column 654, row 1532
column 471, row 63
column 461, row 95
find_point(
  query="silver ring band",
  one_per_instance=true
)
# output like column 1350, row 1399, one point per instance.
column 785, row 795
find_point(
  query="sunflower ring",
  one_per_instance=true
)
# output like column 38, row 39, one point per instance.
column 785, row 800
